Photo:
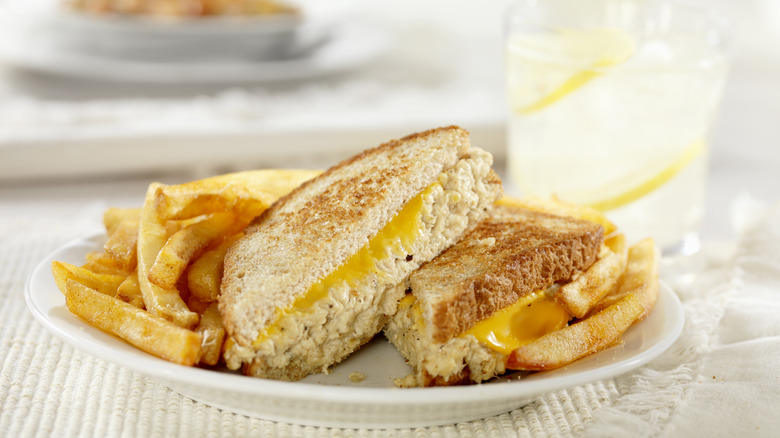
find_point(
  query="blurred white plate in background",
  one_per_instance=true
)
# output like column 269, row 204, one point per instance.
column 326, row 38
column 163, row 39
column 347, row 47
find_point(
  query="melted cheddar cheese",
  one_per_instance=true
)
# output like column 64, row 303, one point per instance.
column 511, row 327
column 525, row 321
column 396, row 238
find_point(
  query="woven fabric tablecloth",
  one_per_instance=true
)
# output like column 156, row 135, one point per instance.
column 719, row 379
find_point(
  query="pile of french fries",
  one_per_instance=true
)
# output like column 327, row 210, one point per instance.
column 156, row 282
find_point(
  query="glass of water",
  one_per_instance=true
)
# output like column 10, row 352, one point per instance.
column 611, row 104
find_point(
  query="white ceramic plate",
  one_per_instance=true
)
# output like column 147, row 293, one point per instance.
column 208, row 39
column 345, row 48
column 315, row 12
column 165, row 40
column 333, row 399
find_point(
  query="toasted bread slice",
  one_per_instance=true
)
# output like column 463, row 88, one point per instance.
column 509, row 256
column 310, row 235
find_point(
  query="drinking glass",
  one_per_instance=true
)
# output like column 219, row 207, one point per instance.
column 611, row 104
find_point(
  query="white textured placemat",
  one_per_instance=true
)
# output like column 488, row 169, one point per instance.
column 719, row 379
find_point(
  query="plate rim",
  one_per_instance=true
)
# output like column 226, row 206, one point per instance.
column 310, row 13
column 180, row 26
column 156, row 368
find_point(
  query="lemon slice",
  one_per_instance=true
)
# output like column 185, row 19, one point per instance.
column 546, row 68
column 649, row 185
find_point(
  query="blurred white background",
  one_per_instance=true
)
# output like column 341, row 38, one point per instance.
column 441, row 64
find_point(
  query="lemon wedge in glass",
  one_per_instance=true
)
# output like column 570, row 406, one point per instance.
column 550, row 66
column 636, row 184
column 631, row 192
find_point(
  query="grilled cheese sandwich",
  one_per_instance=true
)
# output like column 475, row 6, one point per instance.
column 492, row 292
column 315, row 276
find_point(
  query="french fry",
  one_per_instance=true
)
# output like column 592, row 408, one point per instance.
column 122, row 244
column 560, row 208
column 152, row 235
column 184, row 291
column 640, row 277
column 197, row 305
column 212, row 333
column 189, row 242
column 227, row 192
column 179, row 228
column 130, row 291
column 582, row 293
column 150, row 333
column 102, row 263
column 561, row 347
column 204, row 275
column 616, row 242
column 634, row 299
column 114, row 215
column 104, row 283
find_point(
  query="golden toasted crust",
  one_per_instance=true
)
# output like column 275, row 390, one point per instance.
column 512, row 253
column 367, row 188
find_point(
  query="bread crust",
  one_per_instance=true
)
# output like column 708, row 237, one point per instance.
column 512, row 253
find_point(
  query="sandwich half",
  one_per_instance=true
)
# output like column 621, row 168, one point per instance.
column 315, row 276
column 469, row 308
